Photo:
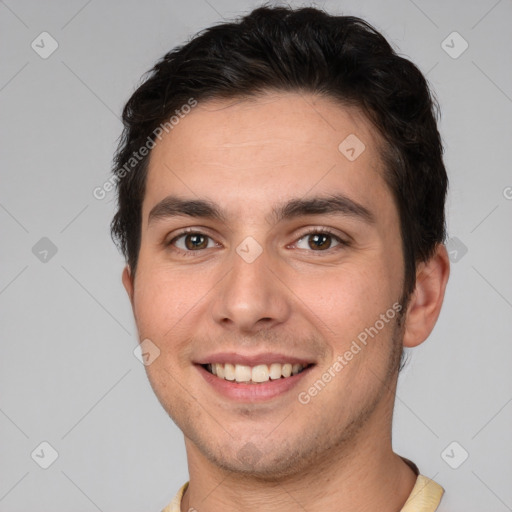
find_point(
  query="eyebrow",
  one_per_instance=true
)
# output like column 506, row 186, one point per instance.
column 334, row 204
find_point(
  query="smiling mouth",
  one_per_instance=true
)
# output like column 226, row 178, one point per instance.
column 258, row 374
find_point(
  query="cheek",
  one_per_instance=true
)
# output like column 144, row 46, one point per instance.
column 162, row 299
column 163, row 308
column 167, row 305
column 349, row 297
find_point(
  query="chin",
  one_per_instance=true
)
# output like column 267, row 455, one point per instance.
column 250, row 462
column 265, row 459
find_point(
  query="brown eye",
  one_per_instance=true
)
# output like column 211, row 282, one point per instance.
column 191, row 241
column 319, row 241
column 196, row 241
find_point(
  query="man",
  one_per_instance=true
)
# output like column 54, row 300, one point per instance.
column 281, row 199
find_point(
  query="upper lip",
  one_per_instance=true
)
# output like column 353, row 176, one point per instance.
column 253, row 359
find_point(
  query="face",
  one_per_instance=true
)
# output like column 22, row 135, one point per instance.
column 268, row 248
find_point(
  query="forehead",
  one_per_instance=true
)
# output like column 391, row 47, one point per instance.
column 247, row 153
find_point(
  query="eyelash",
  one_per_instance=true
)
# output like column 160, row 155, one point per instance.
column 311, row 231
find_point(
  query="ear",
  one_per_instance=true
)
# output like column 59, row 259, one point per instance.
column 426, row 300
column 128, row 282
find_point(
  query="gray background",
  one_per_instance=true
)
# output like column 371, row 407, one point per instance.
column 68, row 373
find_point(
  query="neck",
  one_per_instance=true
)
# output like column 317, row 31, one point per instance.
column 363, row 476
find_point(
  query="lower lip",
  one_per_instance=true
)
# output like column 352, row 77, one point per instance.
column 252, row 392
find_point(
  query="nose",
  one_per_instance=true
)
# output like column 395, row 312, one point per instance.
column 251, row 296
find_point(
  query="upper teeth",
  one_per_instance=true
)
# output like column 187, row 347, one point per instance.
column 259, row 373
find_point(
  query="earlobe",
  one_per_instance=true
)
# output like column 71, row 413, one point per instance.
column 426, row 301
column 128, row 282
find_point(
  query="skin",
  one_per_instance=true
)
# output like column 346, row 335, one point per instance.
column 333, row 453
